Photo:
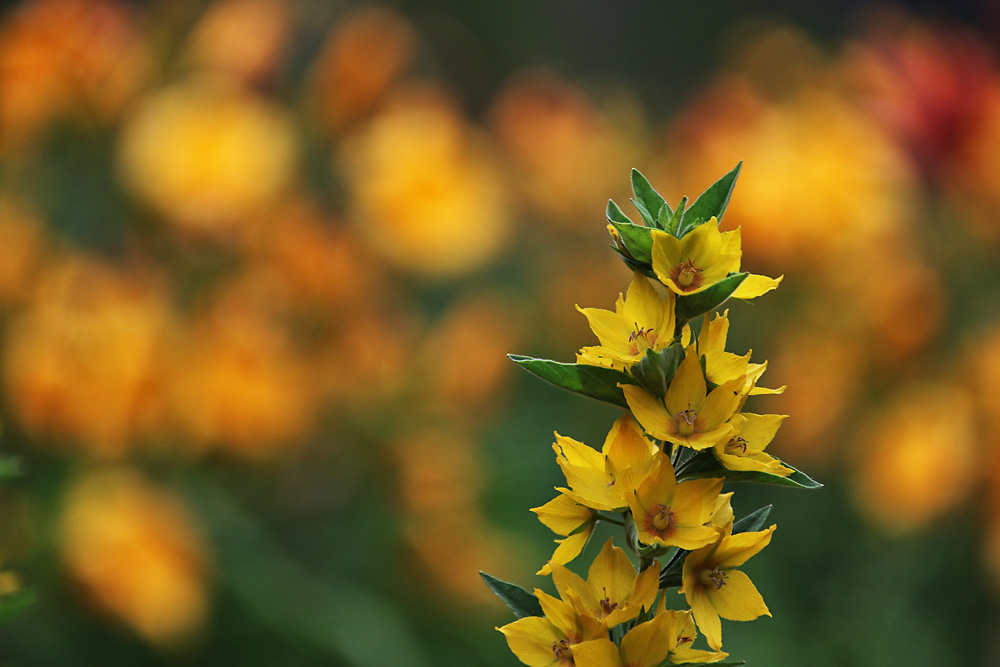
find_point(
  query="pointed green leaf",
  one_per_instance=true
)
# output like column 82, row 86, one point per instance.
column 706, row 465
column 638, row 241
column 594, row 382
column 752, row 522
column 690, row 306
column 675, row 222
column 715, row 199
column 647, row 200
column 520, row 601
column 615, row 214
column 655, row 370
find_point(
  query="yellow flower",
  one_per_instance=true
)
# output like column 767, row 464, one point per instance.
column 713, row 587
column 602, row 480
column 613, row 592
column 641, row 321
column 564, row 516
column 550, row 640
column 669, row 513
column 689, row 415
column 703, row 257
column 745, row 450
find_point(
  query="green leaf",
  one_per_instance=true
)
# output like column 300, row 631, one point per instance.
column 655, row 370
column 615, row 214
column 14, row 603
column 752, row 522
column 690, row 306
column 675, row 222
column 706, row 465
column 594, row 382
column 715, row 199
column 520, row 601
column 638, row 241
column 647, row 200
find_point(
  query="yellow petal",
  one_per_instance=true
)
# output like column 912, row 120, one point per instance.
column 738, row 549
column 596, row 653
column 754, row 286
column 627, row 447
column 644, row 645
column 705, row 616
column 612, row 574
column 568, row 549
column 648, row 410
column 687, row 389
column 576, row 453
column 562, row 515
column 737, row 599
column 566, row 580
column 531, row 639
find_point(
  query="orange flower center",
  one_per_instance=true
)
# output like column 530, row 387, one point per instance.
column 562, row 650
column 687, row 275
column 607, row 606
column 641, row 339
column 662, row 518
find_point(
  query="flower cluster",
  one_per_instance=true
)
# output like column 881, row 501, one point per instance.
column 663, row 467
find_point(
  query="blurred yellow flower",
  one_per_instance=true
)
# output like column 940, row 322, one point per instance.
column 84, row 361
column 913, row 466
column 207, row 155
column 425, row 188
column 134, row 550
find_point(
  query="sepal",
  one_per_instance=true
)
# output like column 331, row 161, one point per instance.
column 713, row 201
column 648, row 201
column 656, row 370
column 690, row 306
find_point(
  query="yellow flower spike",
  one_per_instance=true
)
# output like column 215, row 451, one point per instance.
column 688, row 415
column 745, row 449
column 641, row 321
column 669, row 513
column 548, row 641
column 714, row 589
column 612, row 592
column 695, row 262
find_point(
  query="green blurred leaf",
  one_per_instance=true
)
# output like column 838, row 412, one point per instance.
column 615, row 214
column 520, row 601
column 655, row 370
column 752, row 522
column 9, row 467
column 647, row 200
column 594, row 382
column 692, row 305
column 706, row 465
column 15, row 603
column 714, row 200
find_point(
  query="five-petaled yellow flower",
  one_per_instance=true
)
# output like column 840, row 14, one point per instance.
column 689, row 415
column 613, row 592
column 641, row 321
column 703, row 257
column 714, row 588
column 549, row 641
column 745, row 449
column 675, row 514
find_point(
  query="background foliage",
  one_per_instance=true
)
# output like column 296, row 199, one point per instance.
column 262, row 261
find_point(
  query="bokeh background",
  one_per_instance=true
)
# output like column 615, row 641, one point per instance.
column 261, row 262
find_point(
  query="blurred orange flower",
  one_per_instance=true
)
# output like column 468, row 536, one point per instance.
column 21, row 237
column 58, row 55
column 207, row 155
column 567, row 157
column 425, row 189
column 136, row 553
column 84, row 361
column 241, row 38
column 918, row 458
column 363, row 55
